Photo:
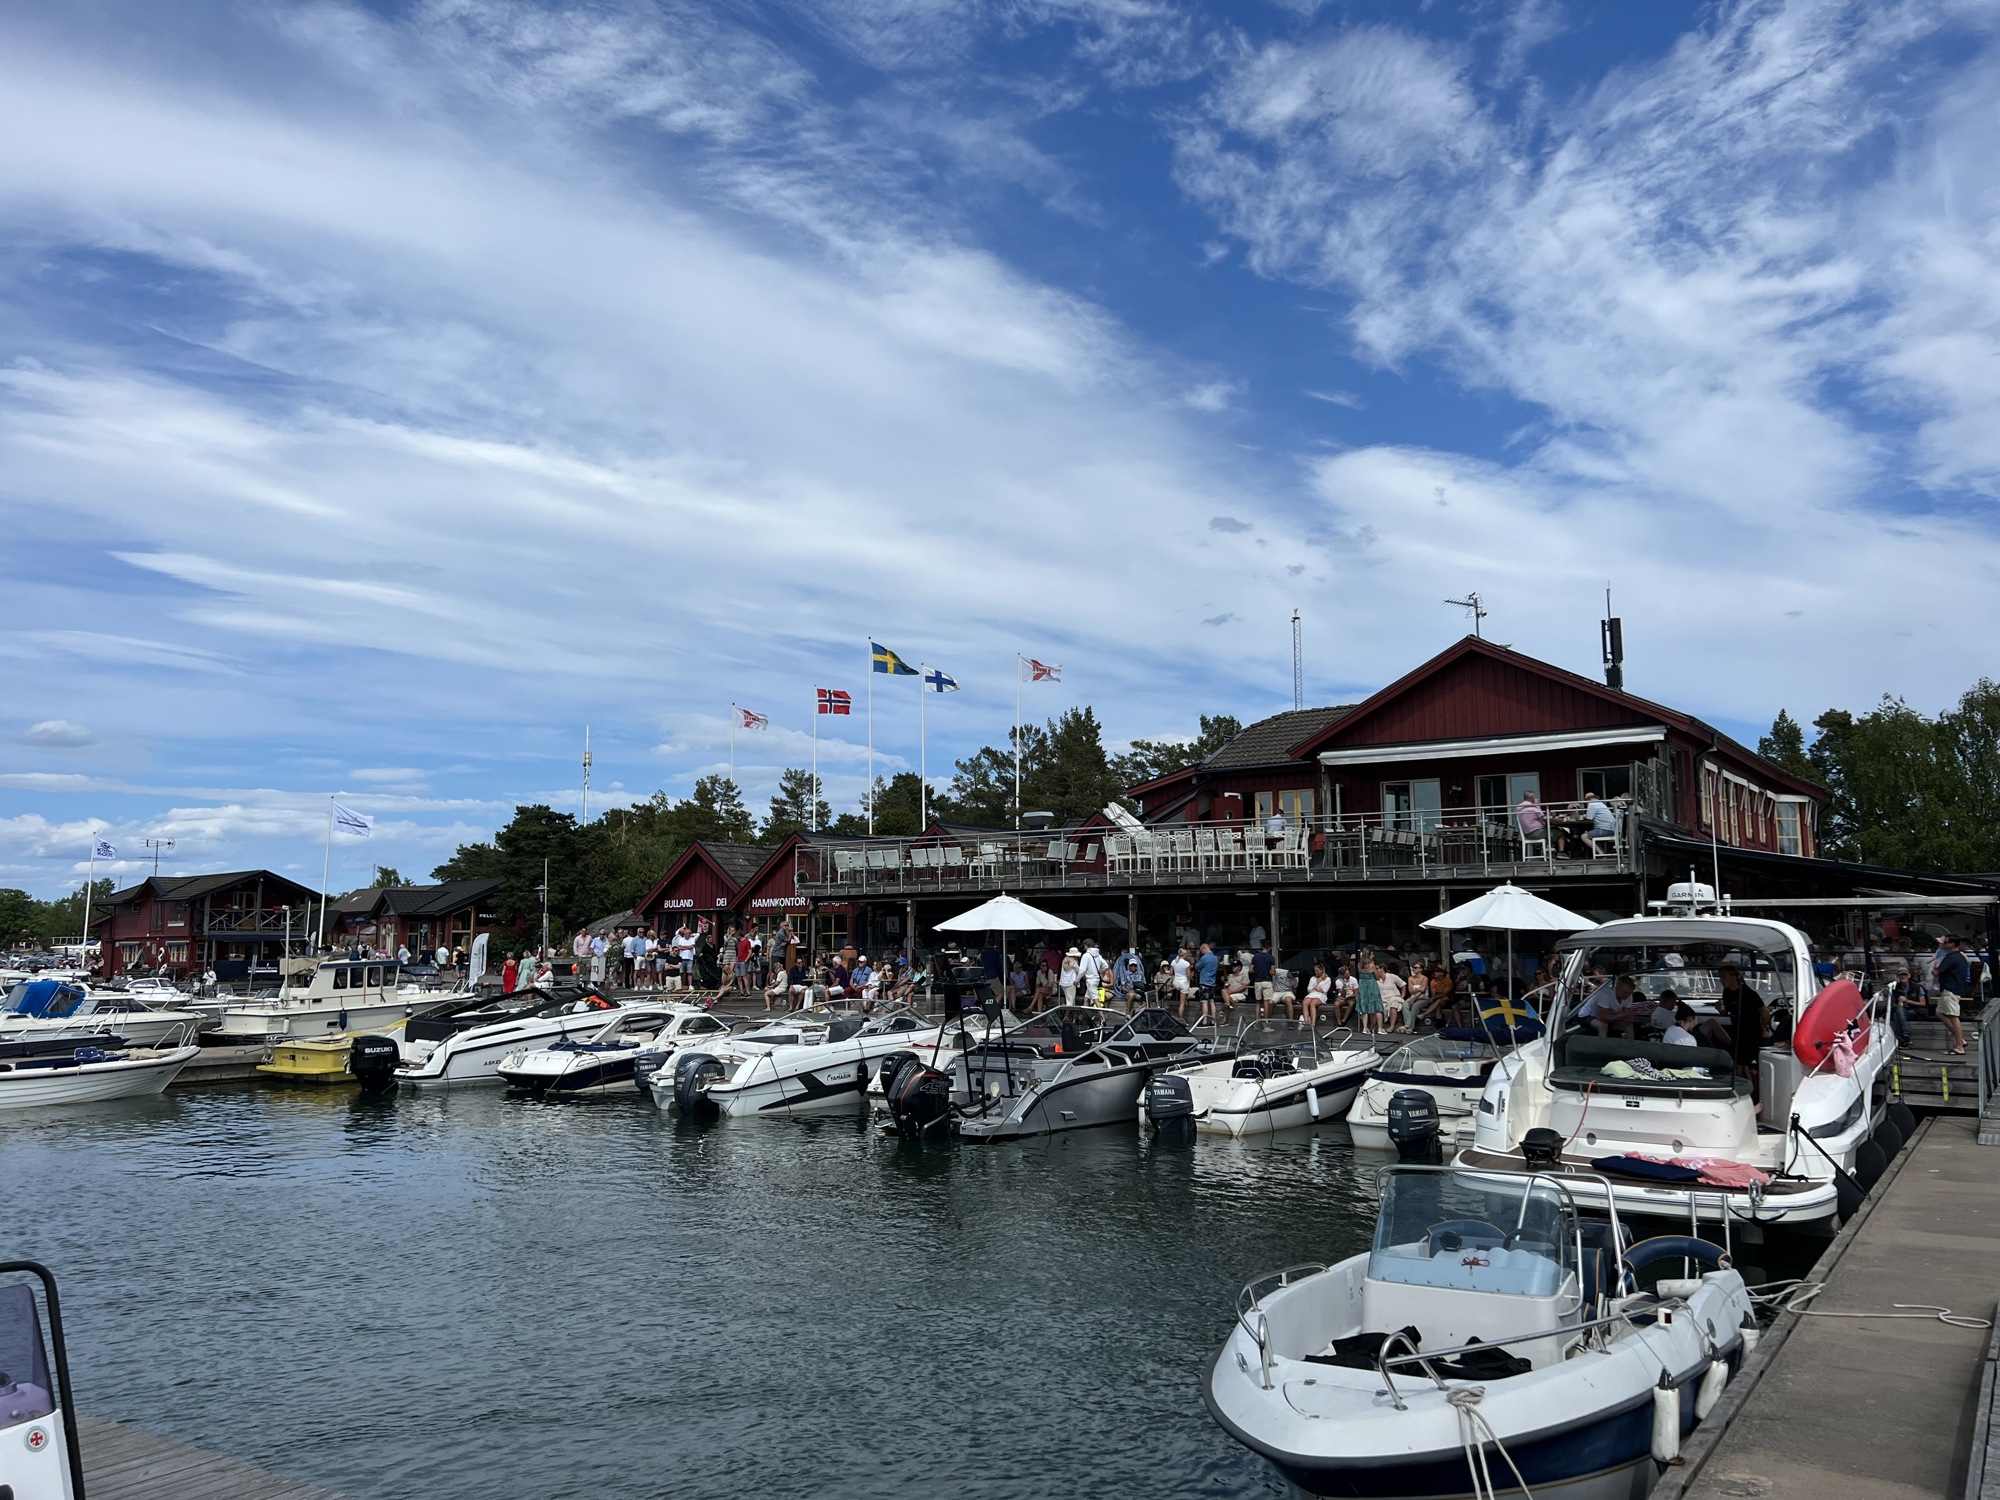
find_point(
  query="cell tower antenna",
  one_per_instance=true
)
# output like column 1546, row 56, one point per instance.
column 1477, row 606
column 586, row 773
column 1298, row 665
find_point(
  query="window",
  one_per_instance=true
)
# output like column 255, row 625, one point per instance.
column 374, row 979
column 1605, row 781
column 1493, row 794
column 340, row 978
column 177, row 953
column 1296, row 807
column 1411, row 805
column 1504, row 793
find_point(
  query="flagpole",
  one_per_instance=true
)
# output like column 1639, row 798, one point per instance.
column 732, row 744
column 89, row 886
column 923, row 754
column 871, row 739
column 1017, row 741
column 812, row 802
column 325, row 870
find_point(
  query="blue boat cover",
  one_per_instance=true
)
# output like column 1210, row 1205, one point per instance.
column 1638, row 1166
column 45, row 997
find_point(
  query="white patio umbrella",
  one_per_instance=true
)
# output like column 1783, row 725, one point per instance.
column 1005, row 914
column 1509, row 909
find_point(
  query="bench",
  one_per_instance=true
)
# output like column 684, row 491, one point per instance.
column 1580, row 1060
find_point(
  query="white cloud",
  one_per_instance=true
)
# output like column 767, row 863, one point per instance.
column 58, row 734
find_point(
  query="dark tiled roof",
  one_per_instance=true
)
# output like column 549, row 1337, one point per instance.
column 438, row 900
column 1266, row 742
column 194, row 887
column 738, row 861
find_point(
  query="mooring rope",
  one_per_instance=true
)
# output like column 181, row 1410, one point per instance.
column 1471, row 1423
column 1795, row 1295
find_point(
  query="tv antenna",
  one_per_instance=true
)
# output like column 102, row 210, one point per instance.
column 1477, row 606
column 1298, row 668
column 158, row 846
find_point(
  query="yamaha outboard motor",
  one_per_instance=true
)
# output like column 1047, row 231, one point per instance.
column 1413, row 1127
column 1170, row 1103
column 693, row 1073
column 644, row 1066
column 919, row 1101
column 373, row 1060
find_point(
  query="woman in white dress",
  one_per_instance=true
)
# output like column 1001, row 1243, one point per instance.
column 1317, row 990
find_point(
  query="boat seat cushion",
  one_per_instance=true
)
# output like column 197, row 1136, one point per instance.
column 1582, row 1058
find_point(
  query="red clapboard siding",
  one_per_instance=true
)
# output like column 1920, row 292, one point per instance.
column 1478, row 696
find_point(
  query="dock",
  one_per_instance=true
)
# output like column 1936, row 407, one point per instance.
column 1834, row 1407
column 129, row 1463
column 223, row 1065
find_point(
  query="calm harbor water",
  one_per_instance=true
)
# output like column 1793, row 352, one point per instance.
column 475, row 1295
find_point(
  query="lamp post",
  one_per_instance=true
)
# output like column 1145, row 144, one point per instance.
column 544, row 889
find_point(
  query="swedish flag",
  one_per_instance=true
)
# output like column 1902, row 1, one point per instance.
column 888, row 661
column 1506, row 1010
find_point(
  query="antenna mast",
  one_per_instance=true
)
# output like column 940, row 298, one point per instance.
column 1612, row 635
column 1298, row 668
column 1472, row 602
column 586, row 773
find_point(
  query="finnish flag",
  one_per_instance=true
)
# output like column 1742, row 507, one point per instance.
column 940, row 682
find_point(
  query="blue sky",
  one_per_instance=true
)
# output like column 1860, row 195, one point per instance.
column 388, row 391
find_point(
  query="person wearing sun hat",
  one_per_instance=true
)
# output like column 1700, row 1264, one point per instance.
column 1070, row 975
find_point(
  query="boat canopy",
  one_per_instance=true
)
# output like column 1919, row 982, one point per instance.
column 1669, row 932
column 49, row 999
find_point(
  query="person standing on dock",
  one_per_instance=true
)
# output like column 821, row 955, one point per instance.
column 1954, row 982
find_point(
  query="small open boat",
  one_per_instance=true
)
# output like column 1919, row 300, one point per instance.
column 86, row 1074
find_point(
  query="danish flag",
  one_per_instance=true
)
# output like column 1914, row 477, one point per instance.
column 834, row 701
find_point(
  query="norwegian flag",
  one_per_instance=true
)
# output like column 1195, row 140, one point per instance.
column 754, row 721
column 1041, row 671
column 834, row 701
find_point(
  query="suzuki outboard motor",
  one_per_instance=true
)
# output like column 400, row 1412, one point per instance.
column 1170, row 1102
column 1413, row 1127
column 919, row 1101
column 693, row 1073
column 373, row 1059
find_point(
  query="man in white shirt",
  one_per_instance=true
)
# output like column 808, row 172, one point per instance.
column 1274, row 830
column 1603, row 821
column 598, row 948
column 1090, row 972
column 629, row 954
column 1610, row 1006
column 1183, row 983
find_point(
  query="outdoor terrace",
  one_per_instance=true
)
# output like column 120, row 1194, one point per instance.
column 1452, row 845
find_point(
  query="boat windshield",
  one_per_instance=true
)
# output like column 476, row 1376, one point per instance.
column 1427, row 1052
column 25, row 1394
column 1441, row 1228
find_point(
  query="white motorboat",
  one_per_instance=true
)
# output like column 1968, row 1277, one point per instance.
column 822, row 1071
column 51, row 1008
column 88, row 1074
column 1278, row 1077
column 607, row 1058
column 1451, row 1066
column 464, row 1044
column 344, row 995
column 1490, row 1340
column 1672, row 1129
column 1068, row 1068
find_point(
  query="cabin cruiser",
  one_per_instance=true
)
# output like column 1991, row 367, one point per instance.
column 464, row 1043
column 342, row 996
column 52, row 1008
column 606, row 1058
column 828, row 1070
column 1672, row 1129
column 1279, row 1076
column 85, row 1071
column 1451, row 1066
column 1067, row 1068
column 1490, row 1339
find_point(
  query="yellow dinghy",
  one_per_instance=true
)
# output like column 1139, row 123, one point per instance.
column 368, row 1059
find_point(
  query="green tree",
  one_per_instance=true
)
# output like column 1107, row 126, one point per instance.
column 1064, row 770
column 1148, row 759
column 798, row 806
column 1785, row 746
column 898, row 804
column 982, row 793
column 18, row 914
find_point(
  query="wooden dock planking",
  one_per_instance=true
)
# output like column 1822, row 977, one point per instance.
column 129, row 1463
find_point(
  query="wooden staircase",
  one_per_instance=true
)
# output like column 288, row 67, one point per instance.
column 1925, row 1076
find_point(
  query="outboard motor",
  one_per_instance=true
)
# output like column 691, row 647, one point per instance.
column 693, row 1073
column 645, row 1064
column 891, row 1066
column 1542, row 1149
column 919, row 1101
column 1413, row 1127
column 373, row 1060
column 1170, row 1102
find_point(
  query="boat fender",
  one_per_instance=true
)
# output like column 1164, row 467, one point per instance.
column 1889, row 1138
column 1713, row 1379
column 1681, row 1287
column 1666, row 1421
column 1869, row 1164
column 1312, row 1101
column 1903, row 1118
column 1751, row 1334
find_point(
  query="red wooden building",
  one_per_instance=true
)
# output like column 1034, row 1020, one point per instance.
column 182, row 924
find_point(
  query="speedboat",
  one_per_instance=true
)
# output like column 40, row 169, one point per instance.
column 477, row 1036
column 1279, row 1077
column 37, row 1072
column 606, row 1058
column 827, row 1070
column 342, row 996
column 1671, row 1129
column 52, row 1008
column 1068, row 1068
column 1451, row 1066
column 1490, row 1340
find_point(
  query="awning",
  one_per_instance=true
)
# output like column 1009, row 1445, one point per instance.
column 1667, row 932
column 1503, row 744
